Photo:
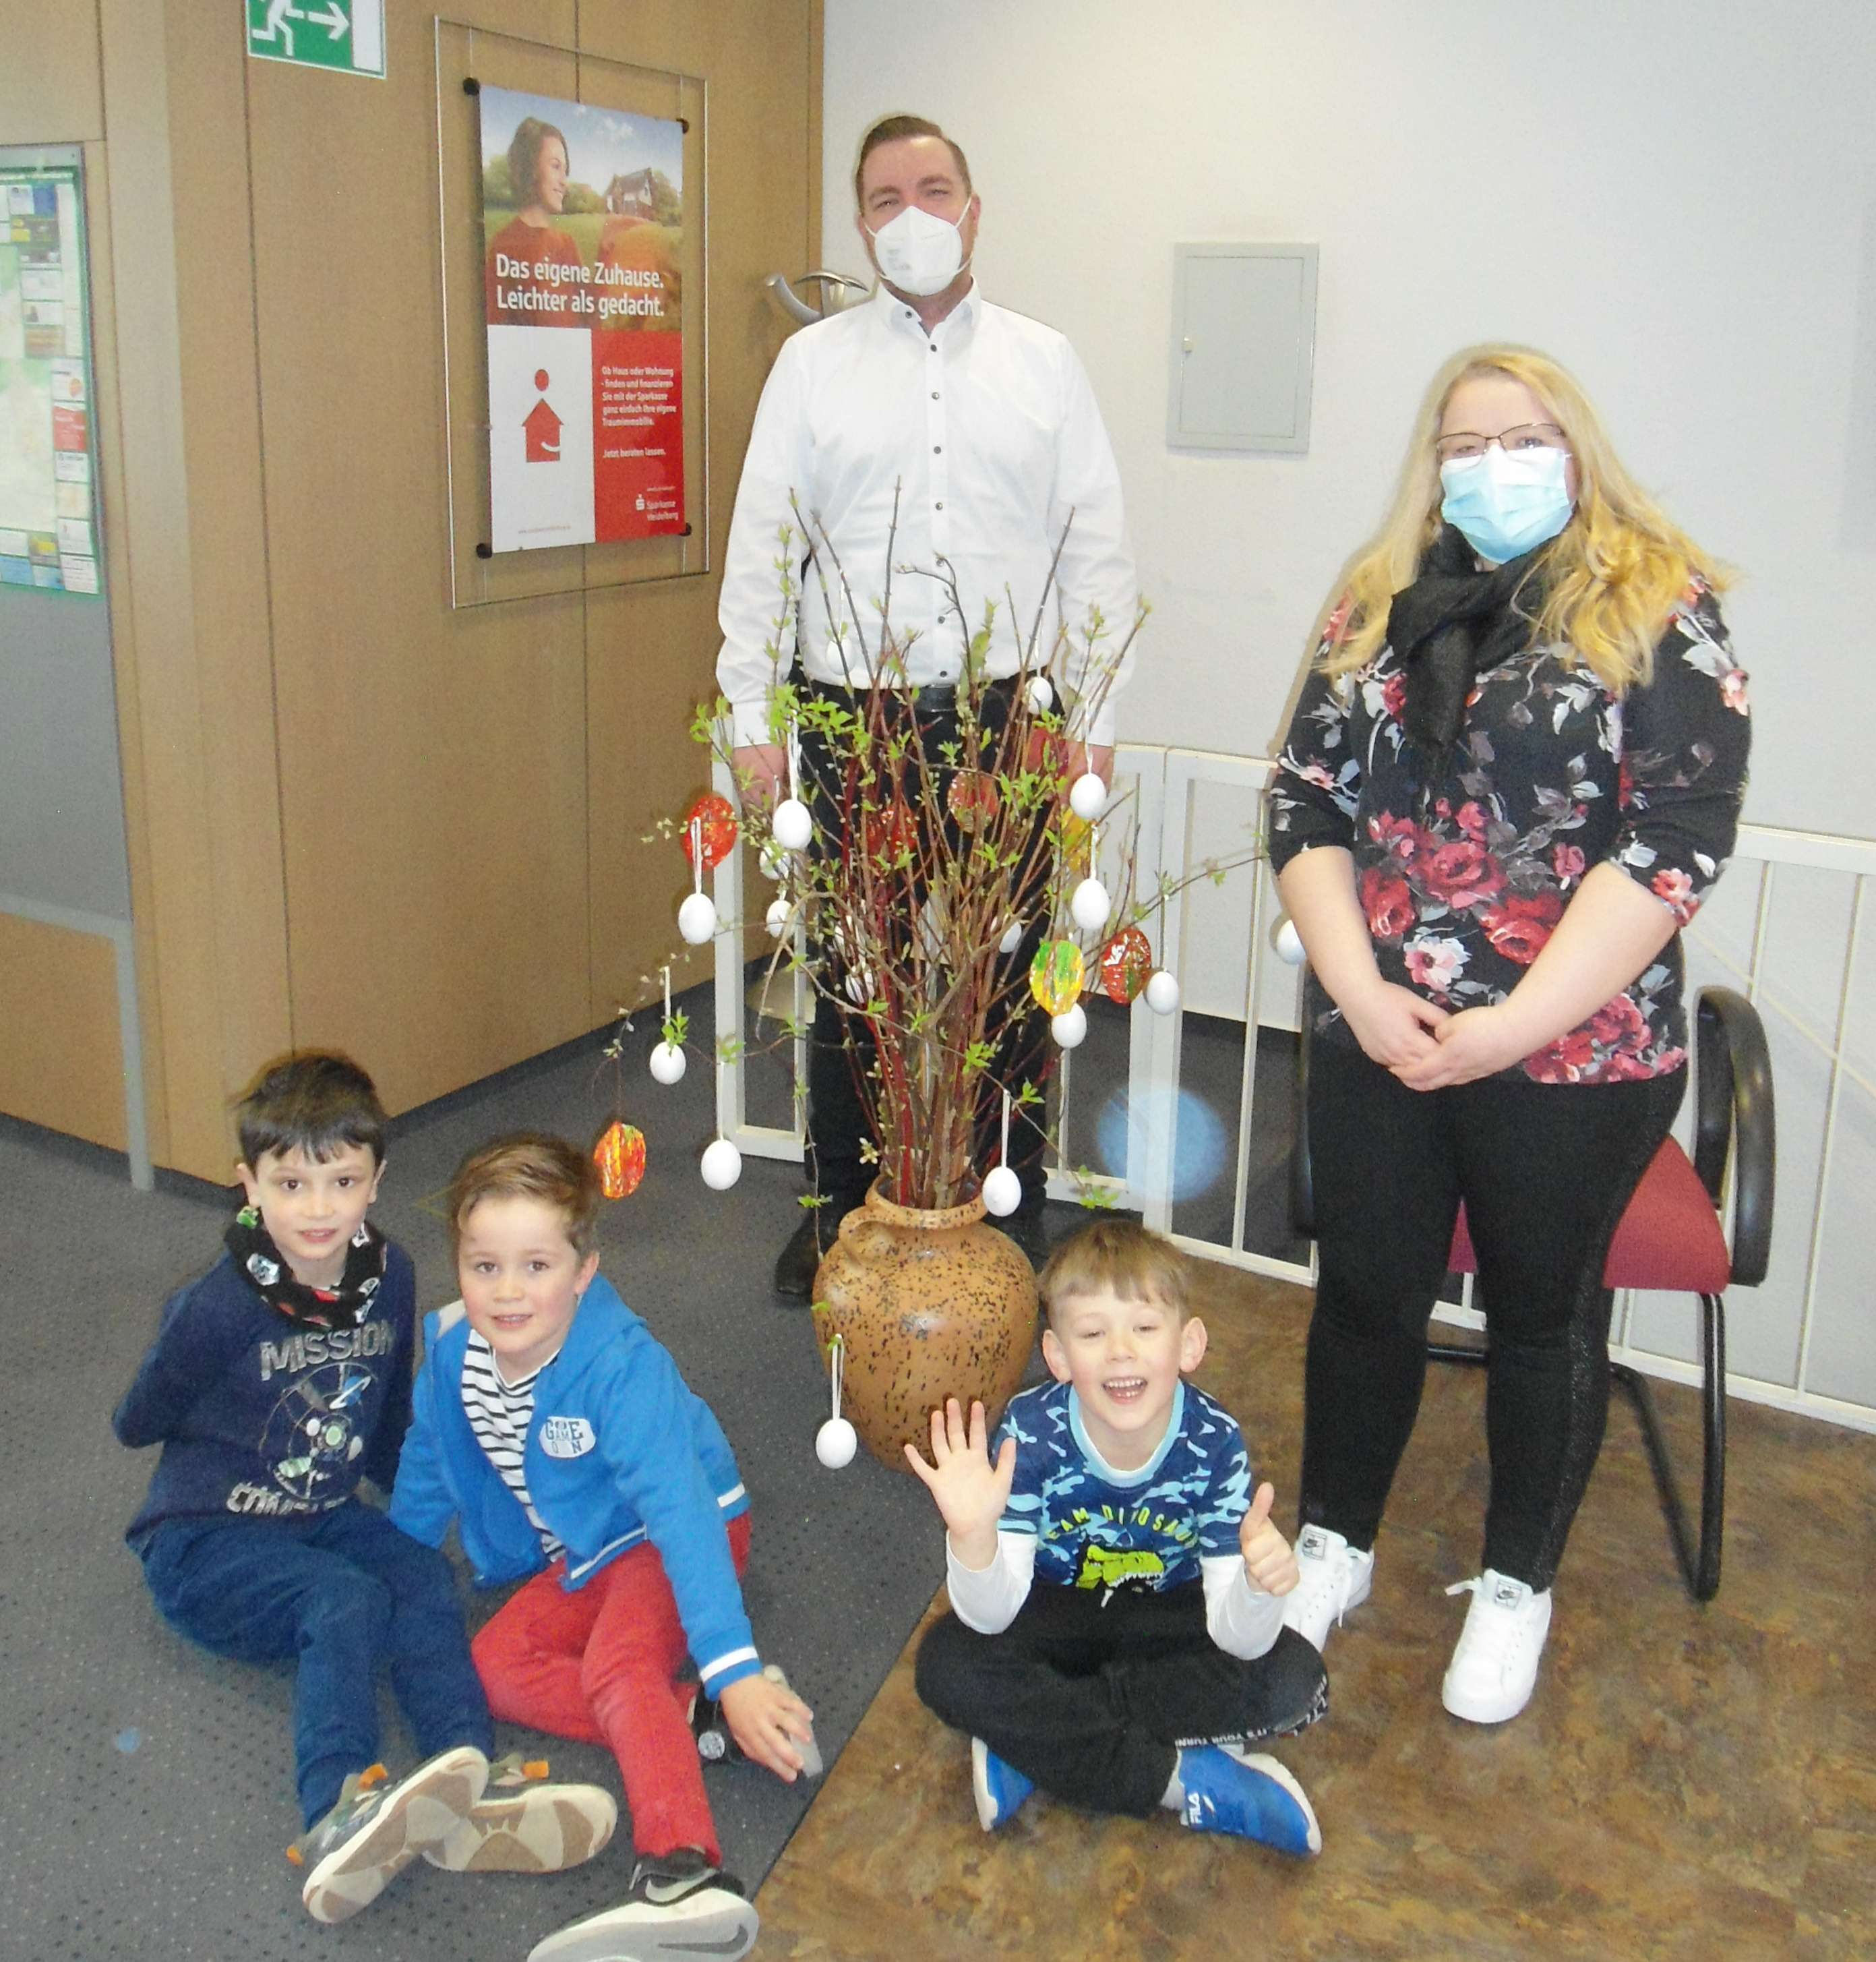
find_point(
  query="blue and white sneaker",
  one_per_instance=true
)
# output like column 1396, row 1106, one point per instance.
column 1248, row 1794
column 999, row 1789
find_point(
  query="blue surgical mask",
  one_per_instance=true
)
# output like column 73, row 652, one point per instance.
column 1507, row 502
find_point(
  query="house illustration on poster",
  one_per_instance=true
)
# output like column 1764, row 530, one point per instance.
column 634, row 196
column 542, row 427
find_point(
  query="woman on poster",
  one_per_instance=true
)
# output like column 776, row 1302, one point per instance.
column 519, row 276
column 1514, row 771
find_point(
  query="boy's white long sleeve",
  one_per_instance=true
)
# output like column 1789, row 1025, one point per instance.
column 987, row 1598
column 1242, row 1619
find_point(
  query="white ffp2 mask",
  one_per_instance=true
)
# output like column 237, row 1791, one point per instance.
column 918, row 253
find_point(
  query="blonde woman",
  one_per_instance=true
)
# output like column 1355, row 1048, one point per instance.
column 1514, row 771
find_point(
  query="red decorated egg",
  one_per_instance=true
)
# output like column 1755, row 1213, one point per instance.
column 888, row 832
column 712, row 819
column 972, row 799
column 1126, row 961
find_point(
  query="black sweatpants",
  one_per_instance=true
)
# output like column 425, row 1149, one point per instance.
column 1545, row 1171
column 1091, row 1702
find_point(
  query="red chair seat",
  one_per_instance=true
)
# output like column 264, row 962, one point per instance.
column 1669, row 1237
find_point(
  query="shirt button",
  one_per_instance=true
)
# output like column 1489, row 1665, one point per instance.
column 934, row 394
column 937, row 449
column 932, row 346
column 940, row 505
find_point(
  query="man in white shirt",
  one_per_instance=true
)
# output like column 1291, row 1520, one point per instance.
column 980, row 425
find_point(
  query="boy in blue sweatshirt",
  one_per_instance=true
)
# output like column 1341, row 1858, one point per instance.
column 277, row 1381
column 555, row 1431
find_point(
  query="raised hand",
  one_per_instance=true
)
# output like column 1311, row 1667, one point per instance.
column 970, row 1491
column 1269, row 1565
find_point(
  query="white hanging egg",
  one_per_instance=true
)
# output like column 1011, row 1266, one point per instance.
column 1087, row 796
column 770, row 859
column 779, row 918
column 1088, row 905
column 1163, row 993
column 1070, row 1027
column 1042, row 694
column 1003, row 1192
column 667, row 1062
column 697, row 919
column 722, row 1164
column 792, row 825
column 834, row 1444
column 1011, row 939
column 1287, row 942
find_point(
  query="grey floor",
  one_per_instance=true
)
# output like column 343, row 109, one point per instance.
column 147, row 1792
column 147, row 1795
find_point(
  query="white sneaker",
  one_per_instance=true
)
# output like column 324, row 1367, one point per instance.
column 1334, row 1577
column 1494, row 1669
column 680, row 1907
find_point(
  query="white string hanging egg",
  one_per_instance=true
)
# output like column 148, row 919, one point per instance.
column 834, row 1443
column 1003, row 1190
column 1070, row 1027
column 697, row 918
column 721, row 1165
column 791, row 826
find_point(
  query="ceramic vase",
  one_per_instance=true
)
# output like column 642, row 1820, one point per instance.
column 932, row 1305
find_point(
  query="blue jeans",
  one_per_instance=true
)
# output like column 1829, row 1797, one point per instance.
column 337, row 1594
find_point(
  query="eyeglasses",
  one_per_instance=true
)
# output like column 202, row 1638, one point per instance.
column 1526, row 435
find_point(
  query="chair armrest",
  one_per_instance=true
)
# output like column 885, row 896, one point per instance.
column 1734, row 1108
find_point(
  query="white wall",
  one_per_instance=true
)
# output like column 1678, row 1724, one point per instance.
column 1676, row 197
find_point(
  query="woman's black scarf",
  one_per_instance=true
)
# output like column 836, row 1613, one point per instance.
column 1452, row 625
column 265, row 1269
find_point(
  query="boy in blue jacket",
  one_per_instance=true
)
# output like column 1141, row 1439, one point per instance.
column 275, row 1382
column 555, row 1431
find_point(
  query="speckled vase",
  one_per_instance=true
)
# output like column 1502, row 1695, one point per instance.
column 932, row 1305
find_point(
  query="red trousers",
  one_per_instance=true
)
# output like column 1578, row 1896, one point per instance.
column 600, row 1665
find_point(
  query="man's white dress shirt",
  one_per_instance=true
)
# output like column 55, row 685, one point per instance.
column 988, row 429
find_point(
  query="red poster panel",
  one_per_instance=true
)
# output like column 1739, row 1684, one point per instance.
column 638, row 434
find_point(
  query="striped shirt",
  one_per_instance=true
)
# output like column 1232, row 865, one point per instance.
column 499, row 1413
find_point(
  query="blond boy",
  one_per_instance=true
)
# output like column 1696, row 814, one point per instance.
column 1116, row 1632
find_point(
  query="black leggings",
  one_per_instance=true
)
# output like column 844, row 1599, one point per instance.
column 1545, row 1171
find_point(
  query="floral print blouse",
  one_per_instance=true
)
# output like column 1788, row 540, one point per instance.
column 1552, row 774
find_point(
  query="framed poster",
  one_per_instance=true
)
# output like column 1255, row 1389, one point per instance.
column 48, row 478
column 582, row 216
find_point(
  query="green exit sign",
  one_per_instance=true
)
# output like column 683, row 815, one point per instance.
column 347, row 34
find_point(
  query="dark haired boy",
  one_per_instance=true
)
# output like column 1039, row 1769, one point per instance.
column 277, row 1381
column 1116, row 1635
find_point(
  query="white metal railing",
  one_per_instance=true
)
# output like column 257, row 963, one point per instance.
column 1164, row 783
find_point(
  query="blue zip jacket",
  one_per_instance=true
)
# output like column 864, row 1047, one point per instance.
column 620, row 1450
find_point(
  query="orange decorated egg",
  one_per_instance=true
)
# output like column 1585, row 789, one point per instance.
column 619, row 1155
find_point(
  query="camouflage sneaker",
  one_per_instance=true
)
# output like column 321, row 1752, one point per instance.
column 377, row 1828
column 523, row 1825
column 679, row 1905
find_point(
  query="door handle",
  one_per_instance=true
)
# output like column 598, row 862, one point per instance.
column 836, row 291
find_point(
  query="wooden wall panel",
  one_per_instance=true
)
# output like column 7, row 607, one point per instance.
column 51, row 87
column 55, row 980
column 357, row 815
column 432, row 762
column 652, row 651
